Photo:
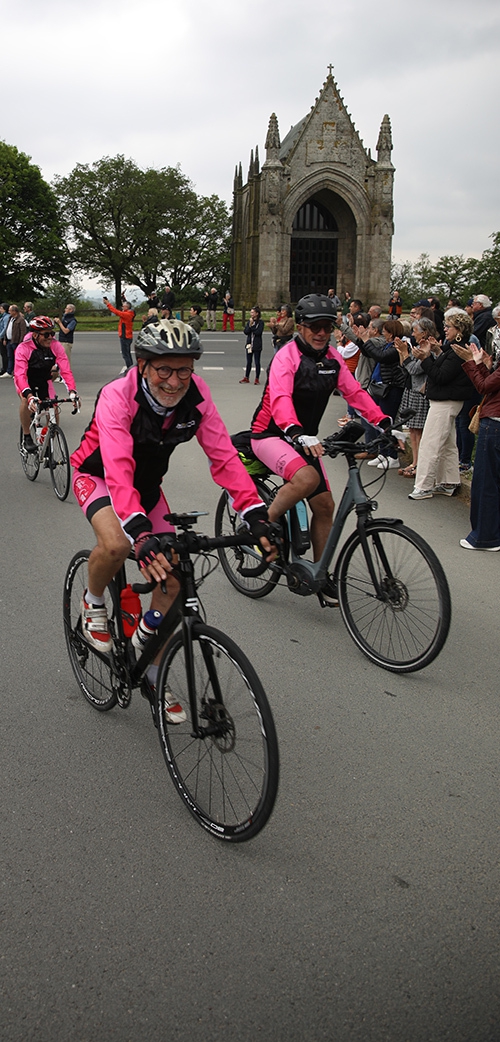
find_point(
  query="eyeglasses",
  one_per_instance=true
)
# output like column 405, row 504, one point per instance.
column 318, row 326
column 165, row 371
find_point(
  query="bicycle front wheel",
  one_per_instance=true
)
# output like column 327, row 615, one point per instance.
column 30, row 460
column 405, row 628
column 227, row 770
column 234, row 558
column 59, row 462
column 92, row 670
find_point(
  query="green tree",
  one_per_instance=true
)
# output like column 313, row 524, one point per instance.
column 453, row 275
column 56, row 296
column 107, row 217
column 32, row 249
column 487, row 276
column 139, row 227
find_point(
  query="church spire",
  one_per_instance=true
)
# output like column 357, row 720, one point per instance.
column 384, row 143
column 273, row 143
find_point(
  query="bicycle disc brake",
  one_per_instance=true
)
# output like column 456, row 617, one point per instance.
column 220, row 728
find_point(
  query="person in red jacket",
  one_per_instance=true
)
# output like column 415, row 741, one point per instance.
column 125, row 330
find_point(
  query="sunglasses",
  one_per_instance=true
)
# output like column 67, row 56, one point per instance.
column 319, row 325
column 165, row 371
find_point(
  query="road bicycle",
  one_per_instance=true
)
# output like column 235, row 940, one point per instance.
column 392, row 591
column 51, row 446
column 224, row 759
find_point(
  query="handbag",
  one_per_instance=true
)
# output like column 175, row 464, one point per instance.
column 377, row 389
column 475, row 418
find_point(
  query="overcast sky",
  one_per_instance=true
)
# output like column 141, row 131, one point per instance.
column 194, row 82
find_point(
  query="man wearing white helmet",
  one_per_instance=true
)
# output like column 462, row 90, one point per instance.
column 138, row 421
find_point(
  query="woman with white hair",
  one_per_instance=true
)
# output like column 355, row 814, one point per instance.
column 492, row 345
column 447, row 388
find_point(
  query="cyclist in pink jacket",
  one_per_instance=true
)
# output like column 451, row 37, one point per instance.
column 34, row 360
column 139, row 419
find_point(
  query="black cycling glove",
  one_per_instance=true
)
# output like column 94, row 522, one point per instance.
column 259, row 524
column 146, row 547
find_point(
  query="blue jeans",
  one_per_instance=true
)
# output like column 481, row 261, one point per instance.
column 465, row 438
column 10, row 356
column 485, row 491
column 125, row 345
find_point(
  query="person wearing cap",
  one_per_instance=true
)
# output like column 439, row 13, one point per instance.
column 302, row 376
column 482, row 314
column 139, row 419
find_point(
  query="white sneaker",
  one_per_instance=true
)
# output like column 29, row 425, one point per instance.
column 122, row 370
column 375, row 462
column 420, row 493
column 445, row 490
column 388, row 464
column 5, row 376
column 95, row 627
column 468, row 546
column 174, row 713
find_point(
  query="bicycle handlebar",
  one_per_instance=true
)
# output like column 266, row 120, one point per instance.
column 194, row 543
column 47, row 403
column 337, row 444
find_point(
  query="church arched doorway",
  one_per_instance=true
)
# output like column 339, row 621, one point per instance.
column 313, row 250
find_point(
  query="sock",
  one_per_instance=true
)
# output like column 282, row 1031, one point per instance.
column 152, row 675
column 93, row 600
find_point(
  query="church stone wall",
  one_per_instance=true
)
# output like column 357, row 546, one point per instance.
column 323, row 158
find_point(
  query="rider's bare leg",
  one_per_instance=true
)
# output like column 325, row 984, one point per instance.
column 322, row 508
column 302, row 485
column 25, row 415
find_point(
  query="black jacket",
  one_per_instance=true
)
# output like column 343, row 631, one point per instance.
column 392, row 373
column 446, row 380
column 483, row 320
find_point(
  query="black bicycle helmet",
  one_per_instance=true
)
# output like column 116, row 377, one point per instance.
column 315, row 306
column 168, row 337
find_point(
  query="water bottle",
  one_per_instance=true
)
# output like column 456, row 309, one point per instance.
column 146, row 628
column 299, row 528
column 130, row 604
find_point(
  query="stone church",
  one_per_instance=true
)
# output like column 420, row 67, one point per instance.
column 319, row 214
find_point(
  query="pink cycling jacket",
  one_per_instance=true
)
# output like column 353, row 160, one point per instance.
column 129, row 445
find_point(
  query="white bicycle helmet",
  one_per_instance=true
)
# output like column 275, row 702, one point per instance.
column 168, row 337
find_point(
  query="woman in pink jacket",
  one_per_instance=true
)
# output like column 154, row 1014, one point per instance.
column 34, row 361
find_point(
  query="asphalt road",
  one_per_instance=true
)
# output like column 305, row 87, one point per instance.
column 368, row 908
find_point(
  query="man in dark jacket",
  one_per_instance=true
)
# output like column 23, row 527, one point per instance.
column 483, row 317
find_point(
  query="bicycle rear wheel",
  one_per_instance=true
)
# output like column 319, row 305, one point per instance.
column 92, row 670
column 228, row 775
column 406, row 629
column 234, row 558
column 59, row 462
column 30, row 460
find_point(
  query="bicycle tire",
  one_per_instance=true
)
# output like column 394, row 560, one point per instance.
column 229, row 778
column 30, row 460
column 60, row 471
column 408, row 630
column 92, row 671
column 234, row 557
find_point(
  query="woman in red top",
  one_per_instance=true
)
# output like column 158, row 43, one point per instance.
column 125, row 330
